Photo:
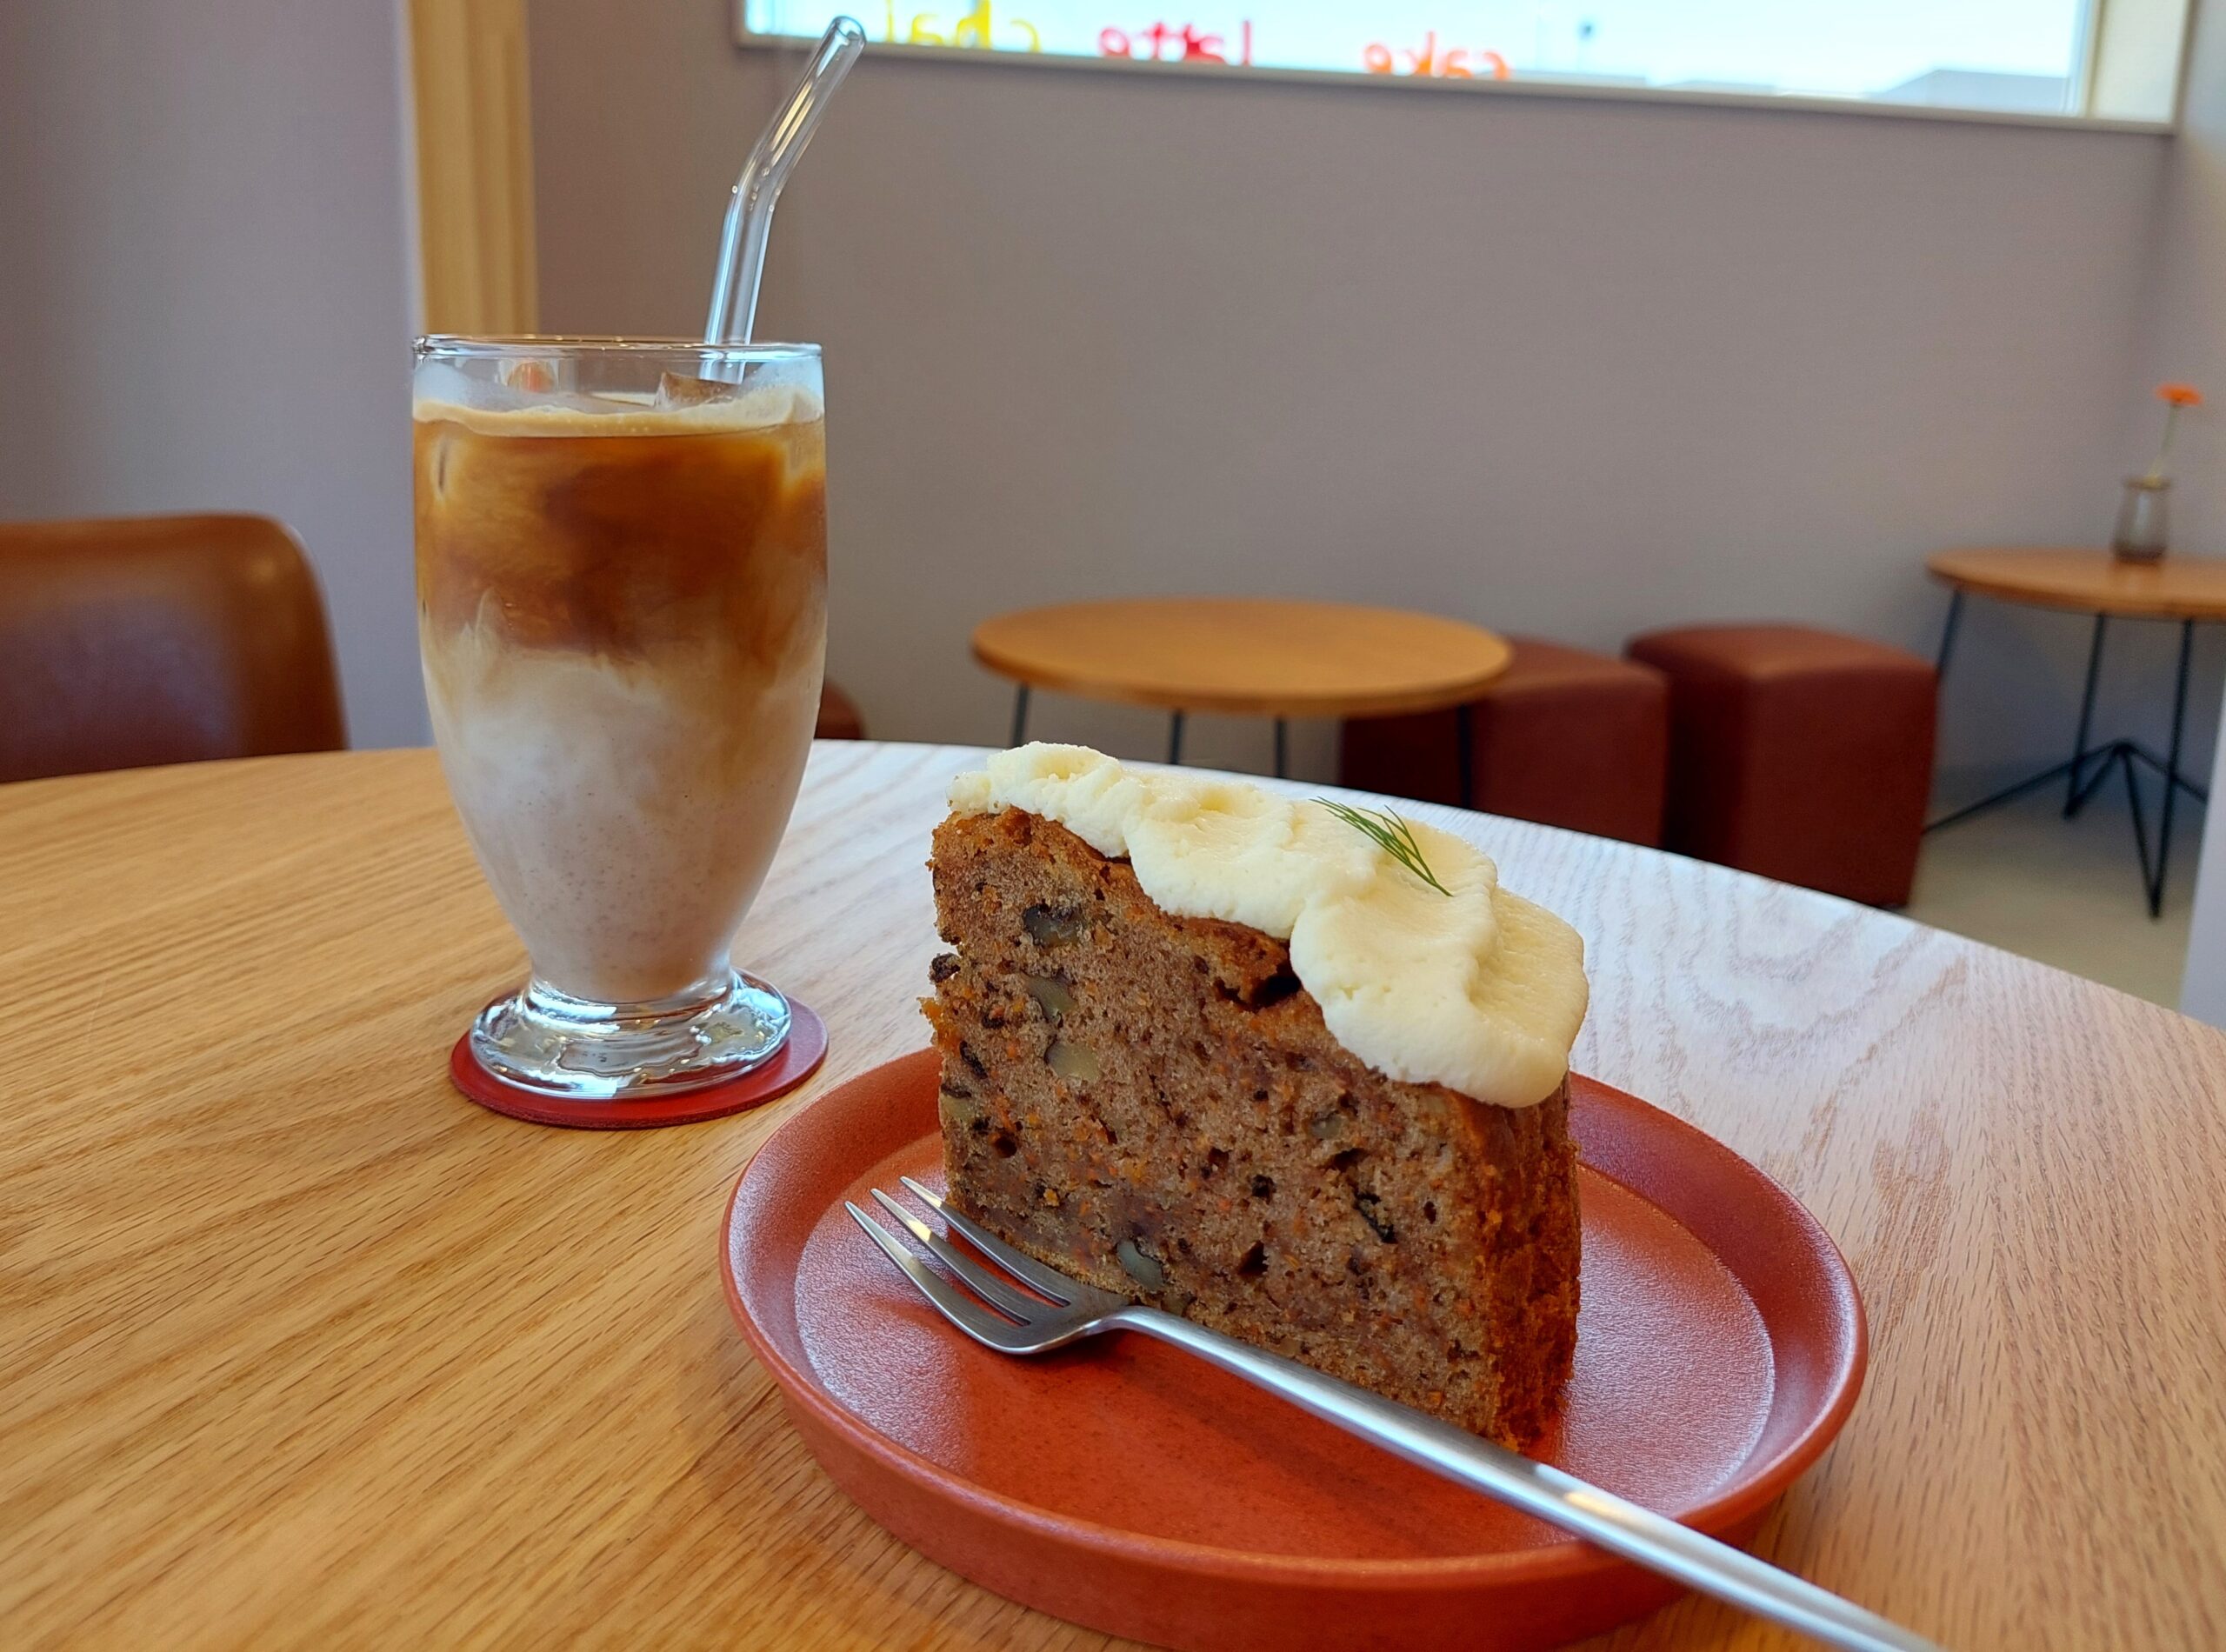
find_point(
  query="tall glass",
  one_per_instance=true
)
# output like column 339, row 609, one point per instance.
column 622, row 570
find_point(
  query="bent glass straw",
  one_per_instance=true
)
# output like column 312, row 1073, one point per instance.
column 749, row 211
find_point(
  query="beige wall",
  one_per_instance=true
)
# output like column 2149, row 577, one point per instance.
column 204, row 290
column 1579, row 368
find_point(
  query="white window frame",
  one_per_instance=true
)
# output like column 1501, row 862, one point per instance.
column 2106, row 44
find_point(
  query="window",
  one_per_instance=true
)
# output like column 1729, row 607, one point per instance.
column 2114, row 59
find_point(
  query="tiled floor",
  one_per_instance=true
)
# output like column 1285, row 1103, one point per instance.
column 2065, row 892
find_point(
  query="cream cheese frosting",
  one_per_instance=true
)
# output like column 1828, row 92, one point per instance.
column 1478, row 989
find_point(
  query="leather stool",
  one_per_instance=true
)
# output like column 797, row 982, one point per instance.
column 839, row 718
column 1799, row 753
column 1563, row 737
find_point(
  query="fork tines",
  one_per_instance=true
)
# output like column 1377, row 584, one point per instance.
column 991, row 1308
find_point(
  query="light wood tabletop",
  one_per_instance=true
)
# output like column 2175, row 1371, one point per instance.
column 297, row 1347
column 1255, row 656
column 2087, row 580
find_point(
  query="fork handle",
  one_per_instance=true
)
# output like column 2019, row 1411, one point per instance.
column 1618, row 1526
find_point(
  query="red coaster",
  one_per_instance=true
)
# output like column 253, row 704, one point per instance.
column 798, row 1059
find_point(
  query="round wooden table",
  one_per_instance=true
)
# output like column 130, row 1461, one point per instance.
column 1256, row 657
column 297, row 1346
column 2081, row 580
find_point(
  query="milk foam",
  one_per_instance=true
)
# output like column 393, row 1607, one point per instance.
column 766, row 407
column 1479, row 991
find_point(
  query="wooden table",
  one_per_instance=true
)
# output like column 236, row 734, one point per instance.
column 299, row 1347
column 2082, row 580
column 1250, row 656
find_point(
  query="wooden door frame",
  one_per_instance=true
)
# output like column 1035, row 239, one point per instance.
column 473, row 137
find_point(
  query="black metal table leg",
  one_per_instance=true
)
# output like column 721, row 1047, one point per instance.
column 2008, row 794
column 1465, row 745
column 1282, row 750
column 1948, row 635
column 2099, row 776
column 1019, row 714
column 1175, row 737
column 2073, row 796
column 2089, row 769
column 2171, row 770
column 2121, row 757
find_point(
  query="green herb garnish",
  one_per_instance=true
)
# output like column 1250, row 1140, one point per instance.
column 1391, row 835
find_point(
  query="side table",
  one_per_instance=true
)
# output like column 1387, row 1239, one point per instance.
column 1256, row 657
column 2189, row 590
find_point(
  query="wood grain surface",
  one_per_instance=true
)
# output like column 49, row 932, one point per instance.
column 298, row 1348
column 2089, row 581
column 1245, row 655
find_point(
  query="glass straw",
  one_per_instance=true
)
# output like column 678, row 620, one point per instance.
column 750, row 212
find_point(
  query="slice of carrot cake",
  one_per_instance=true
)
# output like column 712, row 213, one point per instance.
column 1301, row 1074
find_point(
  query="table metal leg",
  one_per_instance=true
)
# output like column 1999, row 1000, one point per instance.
column 1175, row 737
column 1019, row 714
column 1948, row 633
column 1282, row 750
column 2099, row 776
column 2122, row 758
column 2171, row 770
column 1994, row 800
column 1464, row 744
column 2073, row 795
column 2089, row 770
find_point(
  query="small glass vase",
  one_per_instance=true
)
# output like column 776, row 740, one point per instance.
column 2143, row 520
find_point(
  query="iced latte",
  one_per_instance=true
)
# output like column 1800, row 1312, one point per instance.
column 620, row 585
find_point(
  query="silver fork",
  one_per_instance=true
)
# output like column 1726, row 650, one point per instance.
column 1055, row 1310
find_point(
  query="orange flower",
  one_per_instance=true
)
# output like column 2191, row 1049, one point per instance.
column 2180, row 395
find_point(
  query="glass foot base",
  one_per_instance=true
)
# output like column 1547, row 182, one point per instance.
column 548, row 1041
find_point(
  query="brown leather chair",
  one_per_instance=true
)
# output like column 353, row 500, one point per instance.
column 159, row 639
column 1562, row 736
column 1802, row 754
column 838, row 715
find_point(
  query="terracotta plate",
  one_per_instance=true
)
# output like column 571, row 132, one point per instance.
column 1126, row 1486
